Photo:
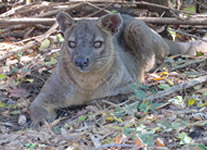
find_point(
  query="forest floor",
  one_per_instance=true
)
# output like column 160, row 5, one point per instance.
column 167, row 111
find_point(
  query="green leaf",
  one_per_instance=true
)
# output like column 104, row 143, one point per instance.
column 154, row 91
column 205, row 94
column 172, row 33
column 169, row 81
column 19, row 54
column 129, row 109
column 140, row 94
column 197, row 87
column 29, row 80
column 118, row 112
column 178, row 101
column 25, row 70
column 27, row 145
column 32, row 146
column 140, row 85
column 45, row 44
column 163, row 86
column 16, row 112
column 199, row 53
column 146, row 135
column 191, row 102
column 136, row 106
column 57, row 129
column 184, row 138
column 118, row 119
column 2, row 77
column 179, row 124
column 115, row 12
column 144, row 107
column 202, row 146
column 2, row 104
column 128, row 131
column 190, row 9
column 118, row 109
column 82, row 118
column 14, row 70
column 13, row 106
column 165, row 124
column 60, row 38
column 52, row 61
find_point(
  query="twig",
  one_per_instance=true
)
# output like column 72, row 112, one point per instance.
column 153, row 20
column 12, row 11
column 54, row 12
column 99, row 9
column 20, row 49
column 11, row 28
column 15, row 21
column 95, row 140
column 178, row 88
column 42, row 27
column 36, row 7
column 190, row 35
column 6, row 124
column 162, row 106
column 116, row 145
column 109, row 103
column 174, row 21
column 188, row 63
column 200, row 4
column 32, row 43
column 101, row 1
column 139, row 3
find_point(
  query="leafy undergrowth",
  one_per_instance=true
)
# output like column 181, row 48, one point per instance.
column 162, row 113
column 177, row 121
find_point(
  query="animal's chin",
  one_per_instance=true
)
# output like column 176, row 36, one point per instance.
column 83, row 70
column 89, row 69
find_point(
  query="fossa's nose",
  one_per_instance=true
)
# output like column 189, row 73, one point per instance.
column 82, row 62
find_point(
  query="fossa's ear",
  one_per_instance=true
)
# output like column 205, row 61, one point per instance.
column 64, row 20
column 110, row 22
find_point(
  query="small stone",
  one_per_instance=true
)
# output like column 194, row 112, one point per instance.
column 22, row 120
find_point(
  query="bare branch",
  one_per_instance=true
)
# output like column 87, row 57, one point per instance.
column 178, row 88
column 153, row 20
column 32, row 43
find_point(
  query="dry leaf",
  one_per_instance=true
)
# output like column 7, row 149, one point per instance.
column 138, row 142
column 20, row 92
column 117, row 139
column 160, row 143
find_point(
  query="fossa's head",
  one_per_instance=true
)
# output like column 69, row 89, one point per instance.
column 89, row 43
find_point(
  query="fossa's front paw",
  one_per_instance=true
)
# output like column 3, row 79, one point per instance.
column 39, row 114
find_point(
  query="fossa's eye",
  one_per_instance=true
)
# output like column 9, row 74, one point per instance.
column 97, row 44
column 71, row 44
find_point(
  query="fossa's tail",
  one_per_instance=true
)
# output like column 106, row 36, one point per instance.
column 188, row 48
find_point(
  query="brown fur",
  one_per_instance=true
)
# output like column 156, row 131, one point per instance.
column 128, row 49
